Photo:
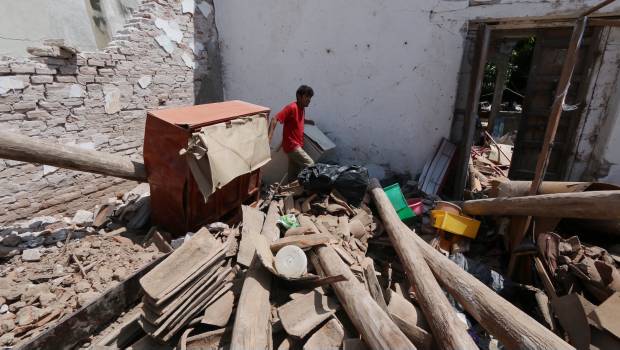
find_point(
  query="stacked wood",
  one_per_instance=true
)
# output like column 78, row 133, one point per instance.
column 194, row 278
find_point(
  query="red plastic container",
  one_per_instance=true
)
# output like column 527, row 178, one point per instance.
column 416, row 205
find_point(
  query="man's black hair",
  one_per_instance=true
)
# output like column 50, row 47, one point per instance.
column 305, row 90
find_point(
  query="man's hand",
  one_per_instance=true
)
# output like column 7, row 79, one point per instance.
column 309, row 122
column 272, row 127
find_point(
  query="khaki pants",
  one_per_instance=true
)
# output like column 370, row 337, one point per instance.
column 297, row 160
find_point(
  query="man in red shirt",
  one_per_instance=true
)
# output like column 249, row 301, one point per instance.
column 292, row 116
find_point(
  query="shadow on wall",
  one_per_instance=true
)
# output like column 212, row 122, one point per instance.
column 208, row 86
column 108, row 17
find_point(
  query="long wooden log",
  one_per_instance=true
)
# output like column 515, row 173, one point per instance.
column 252, row 328
column 26, row 149
column 514, row 328
column 508, row 188
column 376, row 327
column 598, row 205
column 449, row 332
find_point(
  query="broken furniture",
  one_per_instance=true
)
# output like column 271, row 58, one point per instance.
column 177, row 203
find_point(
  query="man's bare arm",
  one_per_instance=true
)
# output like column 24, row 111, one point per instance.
column 272, row 126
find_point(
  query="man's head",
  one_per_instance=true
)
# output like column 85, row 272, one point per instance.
column 304, row 95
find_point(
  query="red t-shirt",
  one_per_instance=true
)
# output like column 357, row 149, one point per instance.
column 293, row 119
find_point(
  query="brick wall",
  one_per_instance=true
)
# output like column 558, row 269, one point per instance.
column 97, row 100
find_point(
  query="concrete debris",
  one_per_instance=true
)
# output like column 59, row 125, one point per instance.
column 31, row 255
column 82, row 218
column 33, row 295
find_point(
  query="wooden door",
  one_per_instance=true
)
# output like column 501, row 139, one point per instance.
column 549, row 53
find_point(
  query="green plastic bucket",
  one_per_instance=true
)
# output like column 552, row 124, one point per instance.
column 398, row 201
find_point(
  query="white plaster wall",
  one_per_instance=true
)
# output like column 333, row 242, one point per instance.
column 27, row 23
column 384, row 72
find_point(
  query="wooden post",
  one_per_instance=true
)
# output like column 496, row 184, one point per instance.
column 602, row 205
column 473, row 98
column 376, row 327
column 252, row 328
column 449, row 332
column 514, row 328
column 552, row 125
column 26, row 149
column 501, row 67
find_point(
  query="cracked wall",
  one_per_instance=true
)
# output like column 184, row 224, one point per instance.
column 385, row 74
column 97, row 100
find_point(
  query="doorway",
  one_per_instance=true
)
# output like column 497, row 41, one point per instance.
column 519, row 83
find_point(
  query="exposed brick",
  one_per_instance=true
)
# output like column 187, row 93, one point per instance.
column 22, row 68
column 25, row 106
column 66, row 79
column 88, row 70
column 41, row 79
column 37, row 115
column 45, row 70
column 96, row 62
column 63, row 101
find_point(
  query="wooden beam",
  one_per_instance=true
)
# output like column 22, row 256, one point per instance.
column 26, row 149
column 514, row 328
column 597, row 7
column 602, row 22
column 449, row 331
column 376, row 327
column 252, row 327
column 579, row 205
column 473, row 99
column 500, row 83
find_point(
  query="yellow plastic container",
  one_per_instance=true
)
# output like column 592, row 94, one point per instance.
column 453, row 223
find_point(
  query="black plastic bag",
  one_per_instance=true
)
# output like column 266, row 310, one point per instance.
column 350, row 181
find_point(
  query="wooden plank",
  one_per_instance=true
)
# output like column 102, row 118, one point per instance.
column 93, row 317
column 252, row 326
column 410, row 320
column 473, row 99
column 373, row 284
column 434, row 303
column 191, row 306
column 301, row 315
column 161, row 312
column 218, row 313
column 598, row 205
column 26, row 149
column 328, row 337
column 301, row 241
column 606, row 315
column 343, row 254
column 376, row 327
column 174, row 272
column 253, row 220
column 501, row 68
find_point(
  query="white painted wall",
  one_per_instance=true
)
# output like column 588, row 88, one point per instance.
column 27, row 23
column 384, row 72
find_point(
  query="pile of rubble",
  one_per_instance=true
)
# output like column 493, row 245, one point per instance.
column 272, row 269
column 53, row 266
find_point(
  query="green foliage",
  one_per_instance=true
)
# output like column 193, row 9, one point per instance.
column 517, row 72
